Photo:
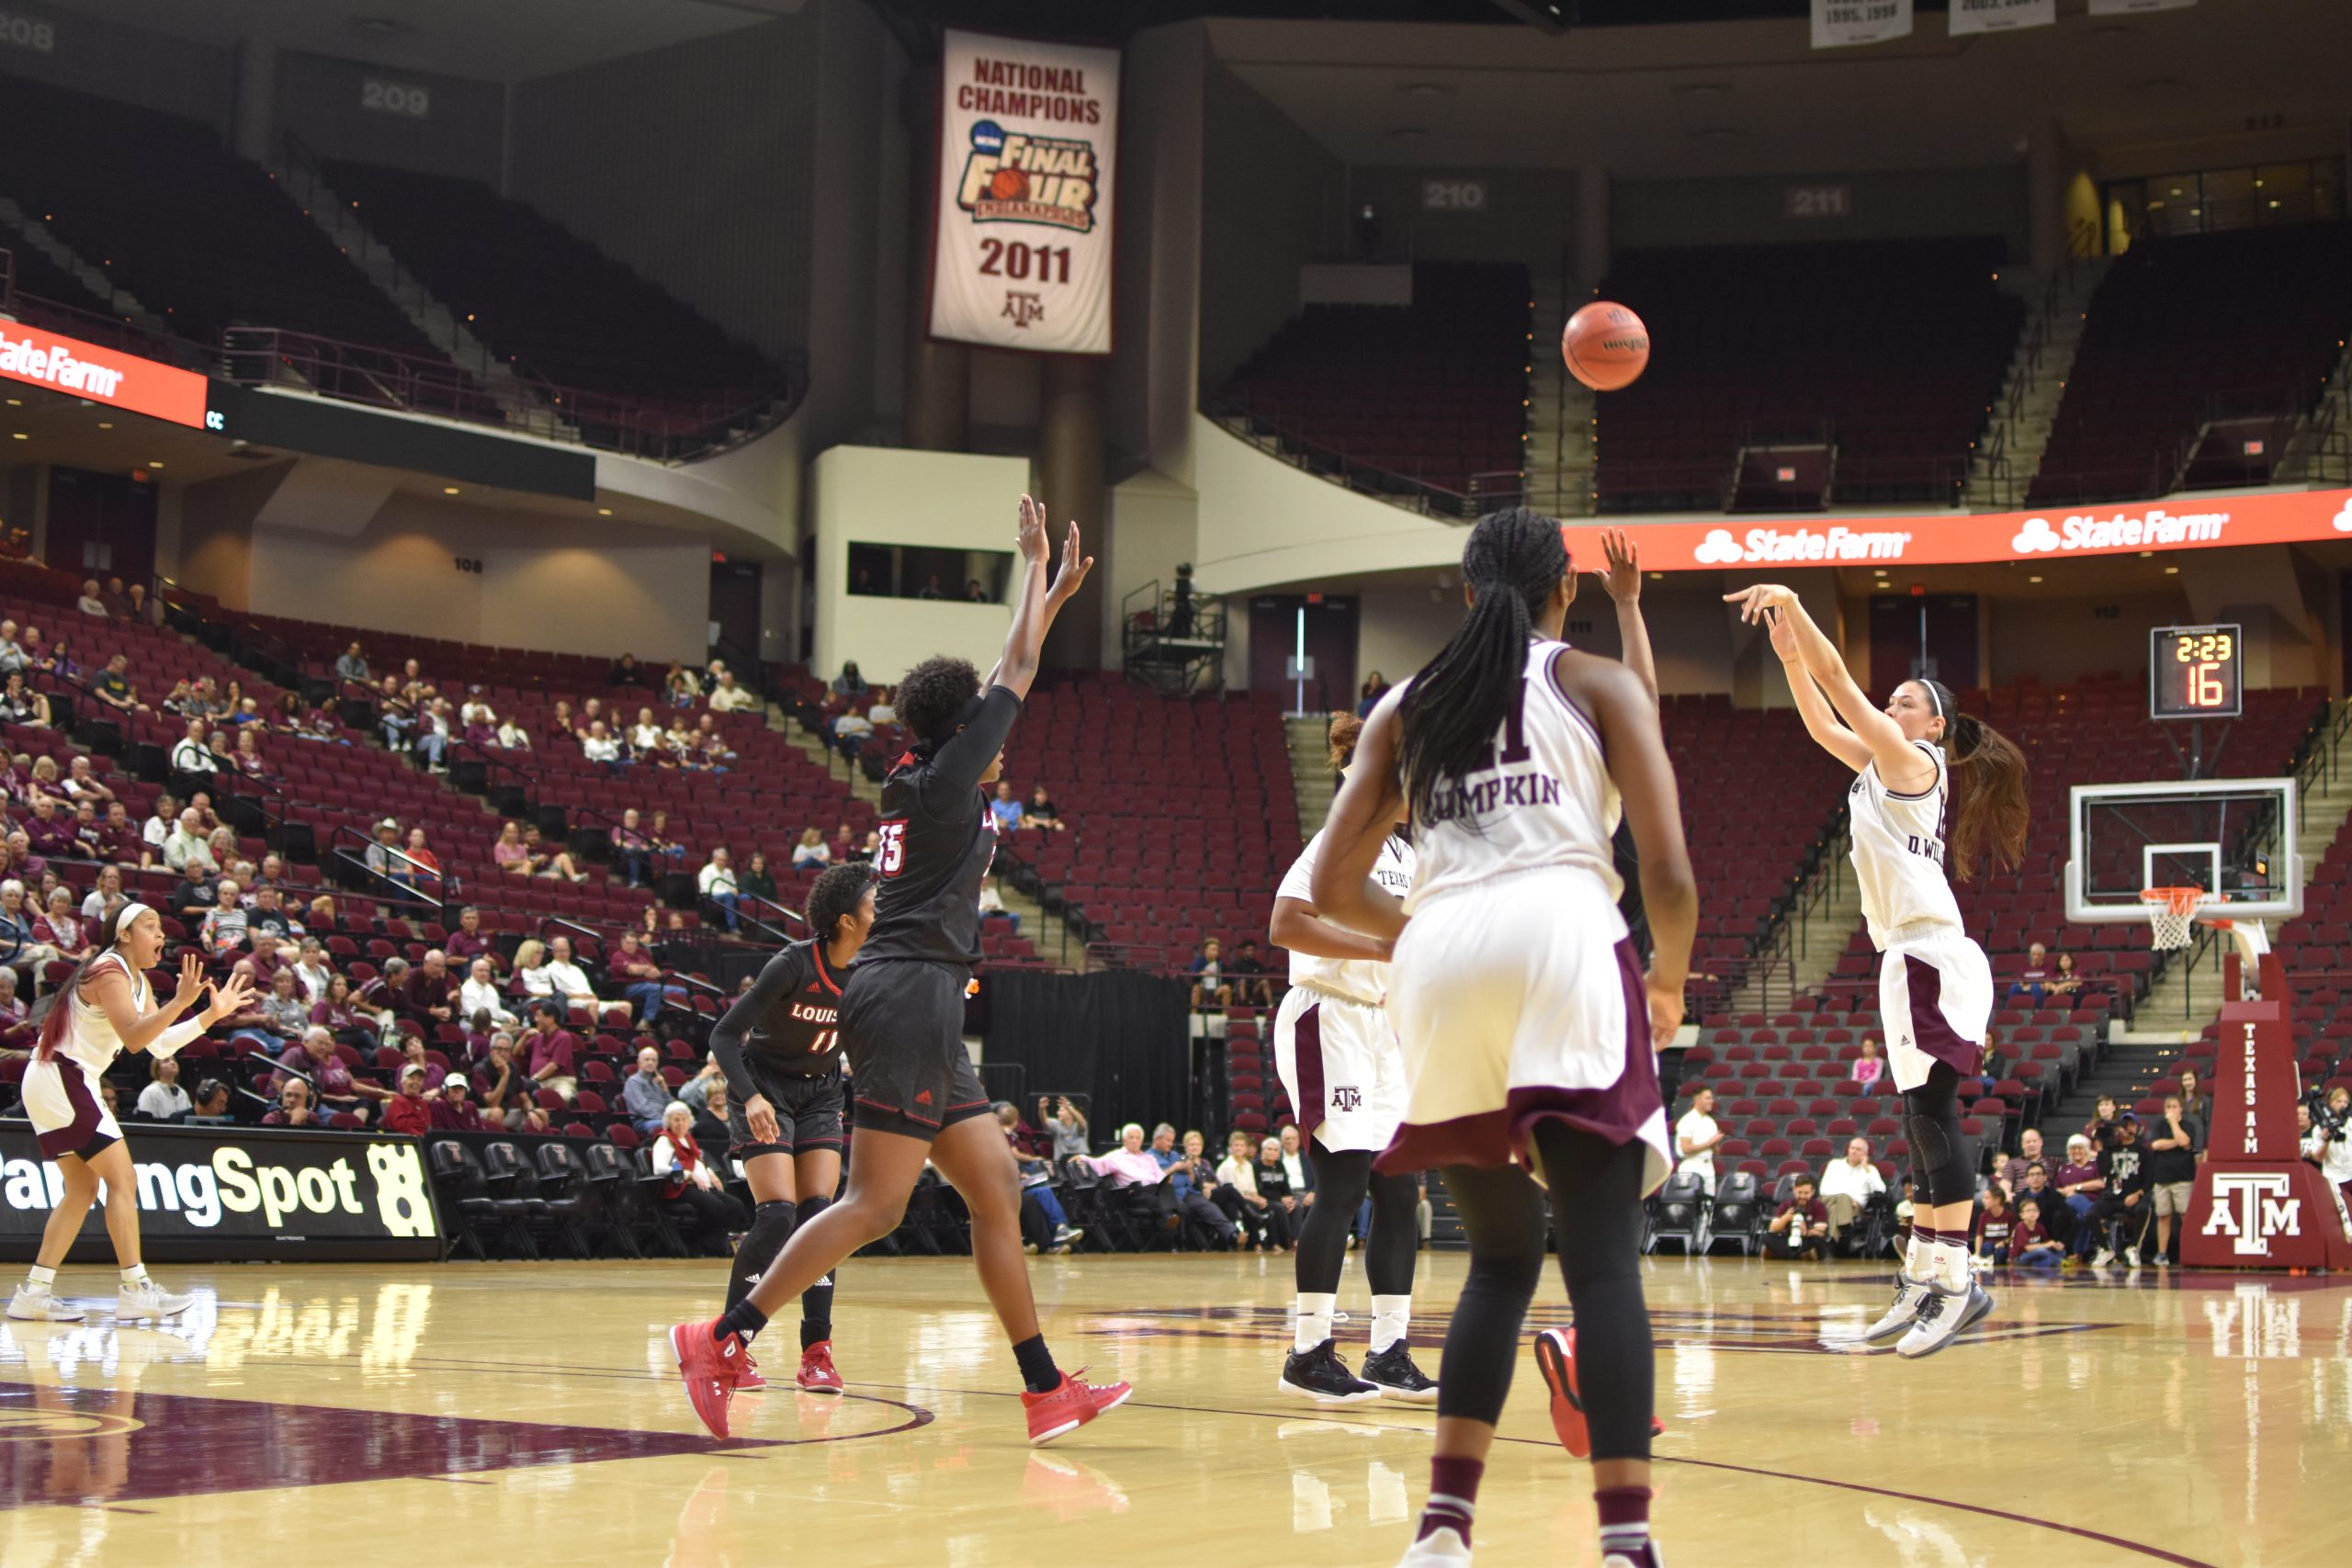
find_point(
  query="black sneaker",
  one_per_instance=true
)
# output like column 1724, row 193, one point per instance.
column 1392, row 1371
column 1320, row 1375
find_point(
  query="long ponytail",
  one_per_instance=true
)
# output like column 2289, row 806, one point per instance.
column 1988, row 774
column 58, row 1017
column 1460, row 699
column 1340, row 740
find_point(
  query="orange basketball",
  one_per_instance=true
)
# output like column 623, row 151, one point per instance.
column 1009, row 185
column 1606, row 347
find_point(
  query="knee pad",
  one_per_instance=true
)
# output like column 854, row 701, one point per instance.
column 812, row 1207
column 776, row 1210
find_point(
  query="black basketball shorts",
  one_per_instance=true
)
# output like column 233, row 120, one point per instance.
column 903, row 1028
column 808, row 1112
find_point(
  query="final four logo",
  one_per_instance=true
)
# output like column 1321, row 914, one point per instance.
column 1013, row 177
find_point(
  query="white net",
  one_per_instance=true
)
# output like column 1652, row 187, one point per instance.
column 2172, row 914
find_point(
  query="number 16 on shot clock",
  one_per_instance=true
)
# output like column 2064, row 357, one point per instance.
column 2194, row 672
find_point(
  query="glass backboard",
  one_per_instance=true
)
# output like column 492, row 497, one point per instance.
column 2234, row 838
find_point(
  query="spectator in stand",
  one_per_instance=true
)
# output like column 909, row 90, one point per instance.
column 223, row 931
column 430, row 995
column 1696, row 1138
column 531, row 969
column 2174, row 1143
column 633, row 969
column 625, row 672
column 1994, row 1222
column 1376, row 686
column 567, row 981
column 16, row 929
column 45, row 783
column 728, row 697
column 1208, row 976
column 89, row 603
column 479, row 995
column 467, row 943
column 1849, row 1186
column 19, row 704
column 1297, row 1167
column 1041, row 813
column 294, row 1107
column 312, row 973
column 1264, row 1225
column 12, row 652
column 549, row 1051
column 120, row 842
column 849, row 685
column 2040, row 1189
column 644, row 736
column 691, row 1191
column 108, row 889
column 352, row 665
column 1800, row 1227
column 811, row 853
column 211, row 1106
column 2031, row 1243
column 2034, row 978
column 454, row 1111
column 976, row 594
column 992, row 908
column 2063, row 981
column 498, row 1080
column 2011, row 1180
column 192, row 759
column 1273, row 1180
column 2100, row 1128
column 81, row 782
column 757, row 880
column 2120, row 1218
column 115, row 599
column 1006, row 808
column 1248, row 973
column 849, row 733
column 679, row 688
column 334, row 1089
column 51, row 831
column 60, row 928
column 1066, row 1123
column 421, row 869
column 645, row 1096
column 598, row 744
column 2195, row 1101
column 512, row 736
column 247, row 758
column 1192, row 1180
column 383, row 856
column 338, row 1010
column 163, row 1100
column 718, row 887
column 160, row 822
column 87, row 841
column 409, row 1111
column 632, row 848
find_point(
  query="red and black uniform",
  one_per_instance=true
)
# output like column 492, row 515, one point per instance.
column 903, row 1010
column 782, row 1040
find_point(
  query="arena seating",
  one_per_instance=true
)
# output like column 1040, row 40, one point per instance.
column 202, row 238
column 1892, row 350
column 1431, row 392
column 2185, row 329
column 46, row 293
column 560, row 310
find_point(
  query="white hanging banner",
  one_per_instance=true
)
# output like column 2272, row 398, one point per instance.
column 1028, row 133
column 2001, row 16
column 1838, row 23
column 2133, row 7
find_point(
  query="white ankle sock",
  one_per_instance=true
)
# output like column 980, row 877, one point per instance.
column 1391, row 1317
column 1919, row 1255
column 1951, row 1266
column 134, row 1275
column 39, row 1279
column 1313, row 1325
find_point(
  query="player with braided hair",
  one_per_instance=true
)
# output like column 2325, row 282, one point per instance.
column 1935, row 989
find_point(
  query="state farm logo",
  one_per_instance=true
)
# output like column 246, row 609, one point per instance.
column 28, row 359
column 2251, row 1209
column 2122, row 531
column 1719, row 548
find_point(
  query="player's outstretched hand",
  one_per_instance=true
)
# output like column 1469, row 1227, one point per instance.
column 1666, row 1013
column 1032, row 536
column 230, row 998
column 190, row 989
column 1784, row 636
column 1623, row 576
column 1075, row 564
column 762, row 1117
column 1762, row 596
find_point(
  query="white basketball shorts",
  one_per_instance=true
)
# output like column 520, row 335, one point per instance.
column 1339, row 1062
column 1935, row 998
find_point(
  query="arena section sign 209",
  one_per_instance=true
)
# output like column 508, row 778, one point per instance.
column 1020, row 254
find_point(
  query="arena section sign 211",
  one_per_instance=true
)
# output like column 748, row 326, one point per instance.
column 1021, row 248
column 2177, row 522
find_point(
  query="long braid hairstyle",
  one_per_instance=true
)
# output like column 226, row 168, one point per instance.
column 1988, row 780
column 1460, row 698
column 54, row 1012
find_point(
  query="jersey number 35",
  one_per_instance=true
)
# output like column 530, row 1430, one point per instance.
column 891, row 858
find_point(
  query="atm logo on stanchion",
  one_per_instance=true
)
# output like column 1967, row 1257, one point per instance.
column 2251, row 1209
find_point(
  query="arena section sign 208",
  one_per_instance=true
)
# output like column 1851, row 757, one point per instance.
column 2177, row 522
column 1020, row 249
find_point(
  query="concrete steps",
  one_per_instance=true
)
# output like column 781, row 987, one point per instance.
column 1559, row 408
column 1817, row 939
column 124, row 303
column 1310, row 772
column 2027, row 404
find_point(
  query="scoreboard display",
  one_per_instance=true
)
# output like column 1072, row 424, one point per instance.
column 2194, row 672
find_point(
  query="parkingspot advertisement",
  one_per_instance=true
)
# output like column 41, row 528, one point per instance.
column 2175, row 523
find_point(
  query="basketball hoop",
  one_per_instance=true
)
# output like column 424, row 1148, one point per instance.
column 2171, row 912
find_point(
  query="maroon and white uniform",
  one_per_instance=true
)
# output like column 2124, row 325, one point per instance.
column 1515, row 991
column 1935, row 989
column 1334, row 1049
column 62, row 1097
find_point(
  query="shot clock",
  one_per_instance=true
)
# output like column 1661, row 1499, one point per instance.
column 2194, row 672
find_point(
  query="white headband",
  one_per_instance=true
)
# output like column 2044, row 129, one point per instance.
column 131, row 912
column 1929, row 687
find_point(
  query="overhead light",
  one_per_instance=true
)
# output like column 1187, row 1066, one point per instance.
column 448, row 490
column 1547, row 17
column 155, row 465
column 2172, row 571
column 106, row 425
column 603, row 512
column 2033, row 580
column 18, row 435
column 16, row 402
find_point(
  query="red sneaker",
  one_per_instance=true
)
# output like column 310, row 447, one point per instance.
column 1070, row 1405
column 817, row 1374
column 711, row 1368
column 1556, row 1358
column 750, row 1381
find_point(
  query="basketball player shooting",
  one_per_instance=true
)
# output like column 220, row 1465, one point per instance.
column 1935, row 989
column 918, row 1097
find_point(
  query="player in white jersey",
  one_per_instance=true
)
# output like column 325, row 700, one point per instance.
column 1935, row 989
column 104, row 1008
column 1528, row 1026
column 1339, row 1059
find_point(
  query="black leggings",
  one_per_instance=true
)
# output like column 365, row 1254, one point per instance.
column 1342, row 1181
column 1597, row 1223
column 1939, row 1150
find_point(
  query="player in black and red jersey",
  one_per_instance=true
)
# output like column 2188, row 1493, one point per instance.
column 917, row 1096
column 780, row 1046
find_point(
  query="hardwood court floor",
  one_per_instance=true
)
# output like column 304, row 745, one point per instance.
column 526, row 1414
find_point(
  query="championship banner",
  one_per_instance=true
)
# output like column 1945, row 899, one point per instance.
column 2001, row 16
column 232, row 1194
column 39, row 357
column 1021, row 250
column 1839, row 24
column 2177, row 522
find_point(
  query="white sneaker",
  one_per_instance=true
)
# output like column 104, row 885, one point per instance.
column 2132, row 1258
column 1441, row 1547
column 2105, row 1255
column 1909, row 1296
column 29, row 1306
column 1944, row 1317
column 148, row 1299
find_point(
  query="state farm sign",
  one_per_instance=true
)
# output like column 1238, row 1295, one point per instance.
column 40, row 358
column 1933, row 539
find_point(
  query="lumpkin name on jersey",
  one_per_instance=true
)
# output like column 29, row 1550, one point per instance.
column 1481, row 797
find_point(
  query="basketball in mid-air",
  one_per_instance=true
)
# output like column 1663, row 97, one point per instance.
column 1606, row 347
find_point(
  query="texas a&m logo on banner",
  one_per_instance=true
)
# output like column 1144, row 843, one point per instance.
column 1028, row 137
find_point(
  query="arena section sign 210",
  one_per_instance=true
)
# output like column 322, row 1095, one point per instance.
column 1020, row 247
